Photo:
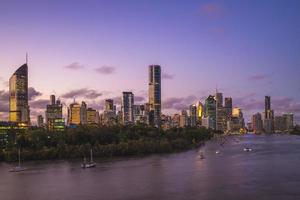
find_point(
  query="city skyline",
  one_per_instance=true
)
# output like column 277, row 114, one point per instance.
column 92, row 69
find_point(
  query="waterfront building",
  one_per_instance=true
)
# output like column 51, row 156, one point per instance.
column 207, row 122
column 289, row 121
column 91, row 116
column 54, row 115
column 109, row 105
column 83, row 113
column 200, row 112
column 184, row 119
column 40, row 121
column 18, row 96
column 279, row 124
column 74, row 114
column 193, row 115
column 257, row 123
column 228, row 107
column 154, row 95
column 210, row 109
column 268, row 116
column 127, row 108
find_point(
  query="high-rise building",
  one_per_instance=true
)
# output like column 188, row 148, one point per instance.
column 268, row 116
column 83, row 114
column 127, row 108
column 109, row 104
column 54, row 115
column 193, row 116
column 40, row 121
column 267, row 106
column 210, row 110
column 289, row 121
column 184, row 119
column 200, row 112
column 74, row 114
column 257, row 123
column 228, row 106
column 220, row 113
column 91, row 116
column 18, row 96
column 155, row 95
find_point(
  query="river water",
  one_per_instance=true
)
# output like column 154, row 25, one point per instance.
column 270, row 171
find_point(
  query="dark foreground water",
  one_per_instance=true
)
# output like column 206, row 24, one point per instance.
column 270, row 171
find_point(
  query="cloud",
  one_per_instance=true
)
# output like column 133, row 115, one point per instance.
column 139, row 98
column 74, row 66
column 178, row 103
column 257, row 77
column 212, row 10
column 39, row 104
column 84, row 92
column 167, row 76
column 105, row 70
column 32, row 93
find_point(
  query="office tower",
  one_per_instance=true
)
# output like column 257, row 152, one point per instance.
column 210, row 109
column 193, row 116
column 155, row 95
column 267, row 106
column 40, row 121
column 257, row 123
column 74, row 114
column 127, row 108
column 279, row 124
column 228, row 106
column 220, row 114
column 200, row 112
column 54, row 115
column 236, row 122
column 139, row 114
column 289, row 121
column 109, row 104
column 219, row 99
column 184, row 119
column 18, row 96
column 91, row 116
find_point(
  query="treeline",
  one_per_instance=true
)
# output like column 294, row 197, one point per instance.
column 105, row 142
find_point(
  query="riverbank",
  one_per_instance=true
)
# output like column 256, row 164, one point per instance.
column 106, row 142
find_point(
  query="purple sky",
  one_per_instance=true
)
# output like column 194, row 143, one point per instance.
column 97, row 49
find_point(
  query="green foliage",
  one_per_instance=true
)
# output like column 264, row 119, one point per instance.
column 105, row 142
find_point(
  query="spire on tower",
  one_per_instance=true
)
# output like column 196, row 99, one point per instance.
column 26, row 58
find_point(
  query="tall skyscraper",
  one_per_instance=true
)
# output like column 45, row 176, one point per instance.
column 91, row 116
column 109, row 104
column 127, row 108
column 210, row 109
column 74, row 114
column 83, row 113
column 155, row 95
column 18, row 96
column 200, row 112
column 54, row 115
column 228, row 106
column 193, row 115
column 220, row 113
column 257, row 123
column 268, row 116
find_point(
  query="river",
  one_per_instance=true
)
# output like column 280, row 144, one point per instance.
column 270, row 171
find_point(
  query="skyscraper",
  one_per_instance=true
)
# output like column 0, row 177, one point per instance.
column 74, row 114
column 83, row 117
column 109, row 104
column 193, row 115
column 228, row 106
column 257, row 123
column 267, row 106
column 268, row 116
column 155, row 95
column 54, row 115
column 18, row 96
column 127, row 108
column 210, row 109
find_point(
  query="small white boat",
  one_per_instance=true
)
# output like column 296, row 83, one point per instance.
column 217, row 152
column 18, row 168
column 247, row 149
column 90, row 164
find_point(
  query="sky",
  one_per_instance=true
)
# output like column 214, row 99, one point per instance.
column 93, row 50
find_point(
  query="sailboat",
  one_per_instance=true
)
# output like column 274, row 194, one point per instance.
column 90, row 164
column 18, row 168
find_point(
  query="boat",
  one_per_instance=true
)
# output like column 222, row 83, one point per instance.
column 90, row 164
column 217, row 152
column 18, row 168
column 247, row 149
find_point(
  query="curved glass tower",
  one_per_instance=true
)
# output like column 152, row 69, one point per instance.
column 155, row 95
column 18, row 96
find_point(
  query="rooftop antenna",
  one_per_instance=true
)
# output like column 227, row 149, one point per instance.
column 26, row 58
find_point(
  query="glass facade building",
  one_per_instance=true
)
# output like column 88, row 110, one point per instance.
column 155, row 95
